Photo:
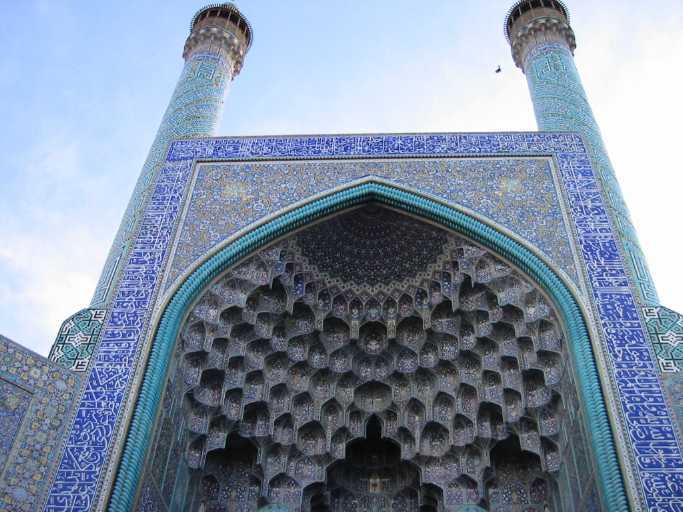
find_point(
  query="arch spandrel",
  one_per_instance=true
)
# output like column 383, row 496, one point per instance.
column 519, row 195
column 371, row 341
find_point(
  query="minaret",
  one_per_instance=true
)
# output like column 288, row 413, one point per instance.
column 543, row 44
column 220, row 37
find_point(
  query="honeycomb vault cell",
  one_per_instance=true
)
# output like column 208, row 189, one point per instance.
column 374, row 362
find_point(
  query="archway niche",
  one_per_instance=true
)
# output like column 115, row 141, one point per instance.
column 373, row 361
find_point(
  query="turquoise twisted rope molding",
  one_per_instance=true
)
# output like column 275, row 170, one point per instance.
column 137, row 440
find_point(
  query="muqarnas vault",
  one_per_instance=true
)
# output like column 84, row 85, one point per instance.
column 416, row 322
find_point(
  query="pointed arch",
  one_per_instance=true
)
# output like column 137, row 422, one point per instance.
column 149, row 396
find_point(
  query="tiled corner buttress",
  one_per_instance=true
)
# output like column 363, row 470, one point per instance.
column 77, row 338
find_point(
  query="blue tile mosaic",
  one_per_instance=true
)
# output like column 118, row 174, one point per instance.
column 666, row 333
column 519, row 194
column 35, row 396
column 77, row 338
column 560, row 103
column 654, row 448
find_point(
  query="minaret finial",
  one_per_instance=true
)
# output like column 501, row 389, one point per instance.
column 530, row 22
column 220, row 28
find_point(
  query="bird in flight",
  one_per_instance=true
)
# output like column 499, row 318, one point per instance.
column 498, row 70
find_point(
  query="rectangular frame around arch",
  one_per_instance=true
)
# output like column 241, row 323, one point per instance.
column 653, row 454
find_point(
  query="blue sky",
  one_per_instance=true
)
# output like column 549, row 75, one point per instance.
column 84, row 85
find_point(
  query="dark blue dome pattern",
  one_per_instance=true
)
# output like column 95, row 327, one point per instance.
column 371, row 248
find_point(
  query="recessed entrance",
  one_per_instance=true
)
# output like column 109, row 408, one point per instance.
column 312, row 377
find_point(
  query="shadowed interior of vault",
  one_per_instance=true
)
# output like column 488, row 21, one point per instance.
column 371, row 361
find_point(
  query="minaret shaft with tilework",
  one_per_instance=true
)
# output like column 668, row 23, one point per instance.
column 543, row 43
column 214, row 52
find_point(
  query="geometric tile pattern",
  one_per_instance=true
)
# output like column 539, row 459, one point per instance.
column 666, row 334
column 654, row 450
column 665, row 328
column 561, row 104
column 86, row 448
column 371, row 249
column 77, row 339
column 35, row 399
column 193, row 111
column 519, row 194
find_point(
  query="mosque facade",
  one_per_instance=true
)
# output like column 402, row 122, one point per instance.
column 392, row 322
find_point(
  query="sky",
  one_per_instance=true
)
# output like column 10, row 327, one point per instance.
column 83, row 86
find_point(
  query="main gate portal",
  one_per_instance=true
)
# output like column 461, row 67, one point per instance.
column 375, row 362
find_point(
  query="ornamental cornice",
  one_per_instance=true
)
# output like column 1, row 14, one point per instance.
column 217, row 40
column 540, row 30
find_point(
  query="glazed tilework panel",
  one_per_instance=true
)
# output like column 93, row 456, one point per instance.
column 518, row 194
column 14, row 402
column 665, row 328
column 648, row 422
column 150, row 500
column 194, row 110
column 560, row 103
column 77, row 338
column 633, row 375
column 35, row 402
column 666, row 332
